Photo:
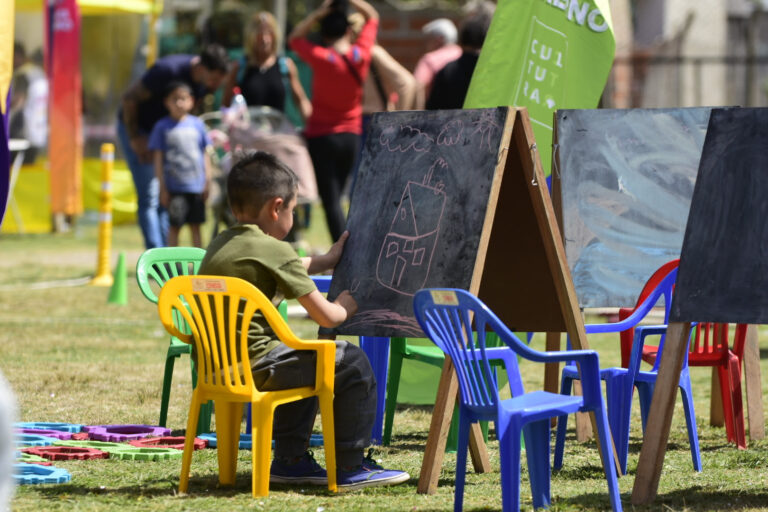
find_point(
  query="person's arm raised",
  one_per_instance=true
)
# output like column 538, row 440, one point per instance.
column 303, row 27
column 366, row 9
column 327, row 261
column 326, row 313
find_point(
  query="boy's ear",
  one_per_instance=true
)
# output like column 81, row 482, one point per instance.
column 275, row 205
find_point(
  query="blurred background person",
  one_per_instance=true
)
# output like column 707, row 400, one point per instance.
column 264, row 77
column 450, row 85
column 142, row 106
column 339, row 65
column 29, row 101
column 441, row 37
column 389, row 85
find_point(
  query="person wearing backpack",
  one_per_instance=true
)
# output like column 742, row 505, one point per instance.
column 264, row 77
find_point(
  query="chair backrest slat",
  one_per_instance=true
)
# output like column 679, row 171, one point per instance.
column 451, row 328
column 219, row 312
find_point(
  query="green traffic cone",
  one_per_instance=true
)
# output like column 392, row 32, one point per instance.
column 118, row 294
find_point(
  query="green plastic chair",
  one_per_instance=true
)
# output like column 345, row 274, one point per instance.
column 400, row 349
column 159, row 265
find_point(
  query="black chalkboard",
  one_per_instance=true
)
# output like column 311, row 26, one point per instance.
column 417, row 212
column 723, row 274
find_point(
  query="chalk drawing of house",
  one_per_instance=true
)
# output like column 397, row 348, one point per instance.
column 408, row 248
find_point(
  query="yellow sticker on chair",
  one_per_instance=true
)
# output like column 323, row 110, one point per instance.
column 444, row 297
column 209, row 285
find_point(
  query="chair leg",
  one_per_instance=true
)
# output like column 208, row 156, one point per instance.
column 509, row 453
column 261, row 437
column 166, row 393
column 562, row 424
column 329, row 436
column 189, row 444
column 206, row 409
column 690, row 417
column 536, row 436
column 645, row 394
column 228, row 418
column 393, row 385
column 461, row 462
column 733, row 408
column 603, row 432
column 377, row 350
column 619, row 391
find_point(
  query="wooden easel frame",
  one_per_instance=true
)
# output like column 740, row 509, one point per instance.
column 518, row 151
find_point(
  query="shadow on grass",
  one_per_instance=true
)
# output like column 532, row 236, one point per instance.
column 692, row 498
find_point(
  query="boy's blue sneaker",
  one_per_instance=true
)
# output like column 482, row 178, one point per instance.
column 304, row 471
column 370, row 474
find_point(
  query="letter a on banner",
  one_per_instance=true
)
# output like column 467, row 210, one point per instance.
column 544, row 55
column 65, row 146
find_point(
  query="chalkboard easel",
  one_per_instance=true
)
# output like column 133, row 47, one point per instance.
column 520, row 271
column 722, row 275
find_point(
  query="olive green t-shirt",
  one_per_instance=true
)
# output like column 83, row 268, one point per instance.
column 271, row 265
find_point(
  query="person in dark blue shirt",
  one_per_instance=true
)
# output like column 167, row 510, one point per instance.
column 142, row 106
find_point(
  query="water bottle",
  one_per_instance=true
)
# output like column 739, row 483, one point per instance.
column 240, row 109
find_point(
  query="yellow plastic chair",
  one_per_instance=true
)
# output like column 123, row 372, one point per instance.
column 218, row 311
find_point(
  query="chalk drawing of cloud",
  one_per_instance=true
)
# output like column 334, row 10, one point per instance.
column 451, row 134
column 405, row 138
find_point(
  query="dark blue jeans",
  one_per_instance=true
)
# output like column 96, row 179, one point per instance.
column 354, row 403
column 152, row 217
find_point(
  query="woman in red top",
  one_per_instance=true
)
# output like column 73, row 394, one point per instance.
column 339, row 68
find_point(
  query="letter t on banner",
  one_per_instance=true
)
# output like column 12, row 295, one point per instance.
column 544, row 55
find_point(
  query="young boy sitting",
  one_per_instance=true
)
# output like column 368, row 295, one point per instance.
column 262, row 195
column 180, row 146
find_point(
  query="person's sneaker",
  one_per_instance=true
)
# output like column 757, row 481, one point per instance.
column 303, row 471
column 369, row 474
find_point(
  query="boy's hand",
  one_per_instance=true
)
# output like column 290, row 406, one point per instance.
column 334, row 253
column 348, row 302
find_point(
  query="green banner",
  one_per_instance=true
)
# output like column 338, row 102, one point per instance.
column 544, row 55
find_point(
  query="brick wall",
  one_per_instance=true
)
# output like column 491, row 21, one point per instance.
column 400, row 31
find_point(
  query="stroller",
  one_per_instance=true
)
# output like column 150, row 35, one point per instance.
column 266, row 129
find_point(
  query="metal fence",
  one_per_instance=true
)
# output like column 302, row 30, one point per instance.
column 644, row 81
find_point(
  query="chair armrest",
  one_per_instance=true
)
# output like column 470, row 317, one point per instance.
column 501, row 354
column 325, row 369
column 636, row 355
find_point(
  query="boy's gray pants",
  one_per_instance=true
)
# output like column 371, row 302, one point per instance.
column 354, row 404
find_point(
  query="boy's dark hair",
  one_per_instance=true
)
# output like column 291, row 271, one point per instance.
column 258, row 177
column 334, row 24
column 214, row 58
column 173, row 86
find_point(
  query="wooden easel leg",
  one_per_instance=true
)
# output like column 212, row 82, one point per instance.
column 660, row 416
column 447, row 392
column 552, row 370
column 754, row 390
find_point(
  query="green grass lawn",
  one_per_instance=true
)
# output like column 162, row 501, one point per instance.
column 72, row 357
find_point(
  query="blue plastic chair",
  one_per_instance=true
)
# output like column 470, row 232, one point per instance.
column 446, row 316
column 377, row 350
column 621, row 382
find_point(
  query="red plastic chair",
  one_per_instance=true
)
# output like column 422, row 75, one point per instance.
column 709, row 347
